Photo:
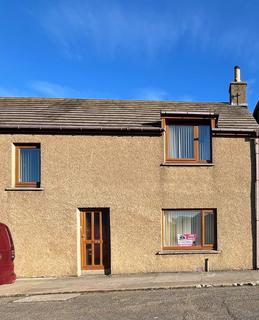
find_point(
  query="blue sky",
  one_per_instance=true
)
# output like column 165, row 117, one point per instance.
column 128, row 49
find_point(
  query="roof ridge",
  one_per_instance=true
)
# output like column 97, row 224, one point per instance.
column 111, row 100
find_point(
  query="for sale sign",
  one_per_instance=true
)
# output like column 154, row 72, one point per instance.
column 186, row 239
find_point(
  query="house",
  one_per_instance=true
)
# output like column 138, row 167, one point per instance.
column 129, row 186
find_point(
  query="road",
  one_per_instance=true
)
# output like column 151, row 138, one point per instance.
column 181, row 304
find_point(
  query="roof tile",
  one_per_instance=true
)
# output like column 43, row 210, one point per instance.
column 38, row 112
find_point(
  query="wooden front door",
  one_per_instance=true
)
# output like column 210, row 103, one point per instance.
column 95, row 242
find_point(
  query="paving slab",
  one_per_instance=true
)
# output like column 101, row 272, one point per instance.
column 150, row 281
column 48, row 298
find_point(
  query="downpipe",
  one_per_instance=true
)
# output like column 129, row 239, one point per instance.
column 256, row 141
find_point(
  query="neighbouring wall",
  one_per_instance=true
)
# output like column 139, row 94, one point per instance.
column 125, row 174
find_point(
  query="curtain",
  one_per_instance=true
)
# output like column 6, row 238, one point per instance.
column 178, row 222
column 204, row 143
column 29, row 165
column 209, row 227
column 181, row 142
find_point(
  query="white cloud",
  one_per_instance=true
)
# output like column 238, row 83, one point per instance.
column 51, row 89
column 12, row 92
column 151, row 94
column 114, row 28
column 184, row 98
column 57, row 90
column 40, row 88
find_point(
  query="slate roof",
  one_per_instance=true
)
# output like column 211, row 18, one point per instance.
column 87, row 114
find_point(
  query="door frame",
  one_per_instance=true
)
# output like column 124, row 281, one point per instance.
column 105, row 223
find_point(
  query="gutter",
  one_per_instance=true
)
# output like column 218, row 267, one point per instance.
column 190, row 113
column 30, row 127
column 233, row 130
column 128, row 130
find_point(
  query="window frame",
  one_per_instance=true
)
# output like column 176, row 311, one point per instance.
column 18, row 183
column 190, row 121
column 203, row 245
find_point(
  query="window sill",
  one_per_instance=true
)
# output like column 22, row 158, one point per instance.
column 178, row 252
column 188, row 164
column 24, row 189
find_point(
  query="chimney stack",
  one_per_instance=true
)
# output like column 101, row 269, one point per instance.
column 237, row 90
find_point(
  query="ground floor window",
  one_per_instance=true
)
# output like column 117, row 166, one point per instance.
column 189, row 229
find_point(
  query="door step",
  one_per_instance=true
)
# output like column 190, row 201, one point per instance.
column 91, row 272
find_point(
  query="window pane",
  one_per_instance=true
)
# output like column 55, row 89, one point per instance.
column 97, row 225
column 209, row 227
column 88, row 255
column 180, row 142
column 88, row 227
column 97, row 259
column 204, row 143
column 29, row 165
column 182, row 228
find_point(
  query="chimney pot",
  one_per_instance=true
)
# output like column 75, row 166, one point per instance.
column 237, row 74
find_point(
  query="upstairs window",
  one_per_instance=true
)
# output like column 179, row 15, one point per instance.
column 27, row 165
column 188, row 141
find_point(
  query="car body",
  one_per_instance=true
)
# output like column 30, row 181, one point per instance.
column 7, row 255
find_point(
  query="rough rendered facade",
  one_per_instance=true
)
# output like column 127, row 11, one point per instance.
column 127, row 178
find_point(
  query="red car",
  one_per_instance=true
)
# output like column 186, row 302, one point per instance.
column 7, row 255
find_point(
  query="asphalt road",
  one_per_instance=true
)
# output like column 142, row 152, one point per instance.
column 187, row 304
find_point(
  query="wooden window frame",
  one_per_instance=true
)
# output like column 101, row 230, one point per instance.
column 18, row 183
column 195, row 122
column 203, row 245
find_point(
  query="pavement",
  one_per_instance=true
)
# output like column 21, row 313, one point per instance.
column 129, row 282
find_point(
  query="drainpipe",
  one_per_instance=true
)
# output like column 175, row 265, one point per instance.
column 257, row 198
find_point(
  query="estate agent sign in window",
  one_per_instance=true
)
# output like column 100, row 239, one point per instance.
column 27, row 165
column 189, row 229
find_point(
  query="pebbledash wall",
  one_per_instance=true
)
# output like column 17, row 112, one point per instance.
column 124, row 173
